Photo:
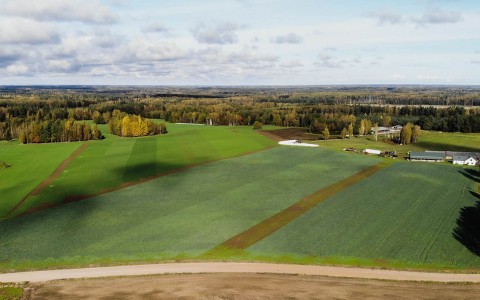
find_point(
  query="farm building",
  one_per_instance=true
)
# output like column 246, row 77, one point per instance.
column 464, row 160
column 427, row 156
column 388, row 130
column 372, row 151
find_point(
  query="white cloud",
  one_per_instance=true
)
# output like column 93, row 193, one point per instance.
column 24, row 31
column 60, row 10
column 290, row 38
column 438, row 16
column 155, row 27
column 386, row 17
column 223, row 33
column 291, row 64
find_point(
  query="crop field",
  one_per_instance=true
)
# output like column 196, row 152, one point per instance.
column 109, row 163
column 403, row 216
column 29, row 165
column 180, row 215
column 143, row 202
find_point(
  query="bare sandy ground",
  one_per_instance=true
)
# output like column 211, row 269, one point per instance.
column 232, row 267
column 245, row 286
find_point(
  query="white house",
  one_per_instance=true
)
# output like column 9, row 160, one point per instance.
column 464, row 160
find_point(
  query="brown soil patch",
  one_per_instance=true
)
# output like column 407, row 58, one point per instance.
column 245, row 286
column 290, row 134
column 49, row 180
column 277, row 221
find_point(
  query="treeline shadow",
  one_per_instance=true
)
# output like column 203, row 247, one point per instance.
column 467, row 231
column 471, row 174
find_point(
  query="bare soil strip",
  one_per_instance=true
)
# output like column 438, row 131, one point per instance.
column 234, row 267
column 277, row 221
column 49, row 180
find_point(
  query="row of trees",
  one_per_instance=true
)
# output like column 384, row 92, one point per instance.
column 57, row 131
column 125, row 125
column 298, row 109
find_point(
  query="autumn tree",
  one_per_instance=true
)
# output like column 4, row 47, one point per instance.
column 361, row 128
column 257, row 125
column 326, row 133
column 350, row 130
column 415, row 133
column 406, row 134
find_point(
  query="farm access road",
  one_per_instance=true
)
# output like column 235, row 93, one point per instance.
column 233, row 267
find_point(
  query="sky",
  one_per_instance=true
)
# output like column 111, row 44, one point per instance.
column 239, row 42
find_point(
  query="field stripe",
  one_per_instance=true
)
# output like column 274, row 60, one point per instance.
column 265, row 228
column 49, row 180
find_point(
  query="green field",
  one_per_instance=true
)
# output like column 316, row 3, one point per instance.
column 30, row 164
column 428, row 140
column 109, row 163
column 402, row 216
column 180, row 215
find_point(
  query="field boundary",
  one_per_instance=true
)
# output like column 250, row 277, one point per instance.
column 236, row 267
column 268, row 226
column 49, row 180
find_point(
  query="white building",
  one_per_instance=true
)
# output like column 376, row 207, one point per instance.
column 464, row 160
column 372, row 151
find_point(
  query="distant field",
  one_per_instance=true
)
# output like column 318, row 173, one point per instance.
column 108, row 163
column 428, row 140
column 403, row 216
column 180, row 215
column 30, row 164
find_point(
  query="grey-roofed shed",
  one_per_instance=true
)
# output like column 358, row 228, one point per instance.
column 427, row 156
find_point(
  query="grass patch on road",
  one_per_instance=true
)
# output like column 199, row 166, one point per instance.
column 10, row 292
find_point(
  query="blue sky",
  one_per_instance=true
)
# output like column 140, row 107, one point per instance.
column 239, row 42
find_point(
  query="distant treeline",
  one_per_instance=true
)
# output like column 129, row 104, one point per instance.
column 316, row 111
column 57, row 131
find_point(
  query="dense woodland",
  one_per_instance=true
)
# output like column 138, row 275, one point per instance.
column 338, row 110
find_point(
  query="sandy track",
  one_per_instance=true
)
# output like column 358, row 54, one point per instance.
column 245, row 286
column 231, row 267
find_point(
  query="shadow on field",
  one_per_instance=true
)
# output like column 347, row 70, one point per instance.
column 445, row 147
column 467, row 231
column 138, row 173
column 471, row 174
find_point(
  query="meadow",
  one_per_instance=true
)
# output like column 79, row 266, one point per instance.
column 404, row 216
column 181, row 215
column 29, row 165
column 107, row 164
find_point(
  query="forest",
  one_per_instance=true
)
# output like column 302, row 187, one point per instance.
column 336, row 109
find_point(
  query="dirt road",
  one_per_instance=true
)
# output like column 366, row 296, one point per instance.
column 244, row 286
column 231, row 267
